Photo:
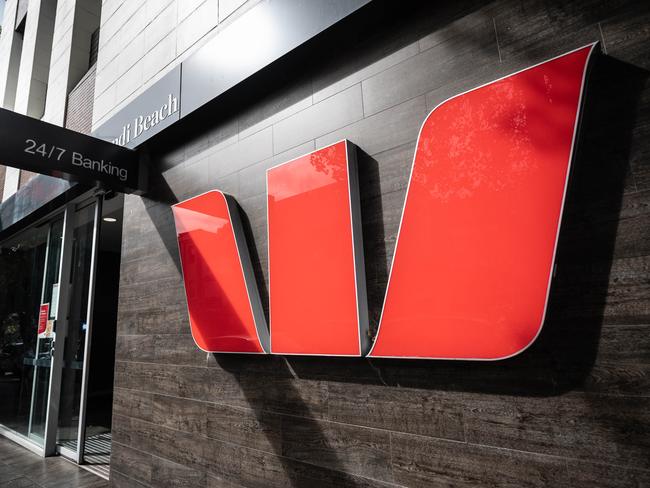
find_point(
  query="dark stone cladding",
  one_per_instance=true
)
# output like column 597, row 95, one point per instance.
column 573, row 410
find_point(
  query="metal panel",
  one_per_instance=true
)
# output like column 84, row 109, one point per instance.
column 266, row 32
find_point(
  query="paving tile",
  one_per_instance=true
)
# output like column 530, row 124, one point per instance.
column 24, row 469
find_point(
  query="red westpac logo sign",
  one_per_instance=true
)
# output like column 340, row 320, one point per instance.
column 474, row 255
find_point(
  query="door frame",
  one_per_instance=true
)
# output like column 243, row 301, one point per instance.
column 50, row 447
column 54, row 392
column 81, row 427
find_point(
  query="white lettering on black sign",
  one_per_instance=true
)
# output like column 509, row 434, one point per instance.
column 42, row 149
column 76, row 158
column 142, row 123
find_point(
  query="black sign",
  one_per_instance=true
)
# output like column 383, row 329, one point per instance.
column 151, row 112
column 31, row 144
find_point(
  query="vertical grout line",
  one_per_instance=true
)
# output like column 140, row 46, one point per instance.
column 496, row 36
column 328, row 410
column 180, row 90
column 390, row 454
column 464, row 426
column 363, row 108
column 602, row 37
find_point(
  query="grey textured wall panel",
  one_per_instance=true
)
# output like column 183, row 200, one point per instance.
column 573, row 410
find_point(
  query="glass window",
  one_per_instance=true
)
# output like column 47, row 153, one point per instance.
column 22, row 266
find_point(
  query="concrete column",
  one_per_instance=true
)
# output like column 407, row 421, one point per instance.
column 35, row 59
column 11, row 45
column 32, row 51
column 76, row 20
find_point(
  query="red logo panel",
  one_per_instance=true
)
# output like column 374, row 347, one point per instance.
column 316, row 273
column 222, row 298
column 475, row 250
column 474, row 257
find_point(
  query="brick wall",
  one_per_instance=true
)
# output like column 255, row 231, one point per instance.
column 79, row 114
column 573, row 410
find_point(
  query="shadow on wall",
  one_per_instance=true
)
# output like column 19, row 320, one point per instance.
column 564, row 353
column 260, row 392
column 563, row 356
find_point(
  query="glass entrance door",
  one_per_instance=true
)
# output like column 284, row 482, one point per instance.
column 53, row 398
column 45, row 291
column 74, row 376
column 45, row 333
column 29, row 268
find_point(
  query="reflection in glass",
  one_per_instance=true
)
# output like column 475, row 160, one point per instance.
column 73, row 356
column 25, row 360
column 43, row 360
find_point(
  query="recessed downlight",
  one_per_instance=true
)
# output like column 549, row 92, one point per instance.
column 110, row 219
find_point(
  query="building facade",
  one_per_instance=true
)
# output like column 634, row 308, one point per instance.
column 240, row 97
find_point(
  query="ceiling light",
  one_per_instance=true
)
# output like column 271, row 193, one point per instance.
column 110, row 219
